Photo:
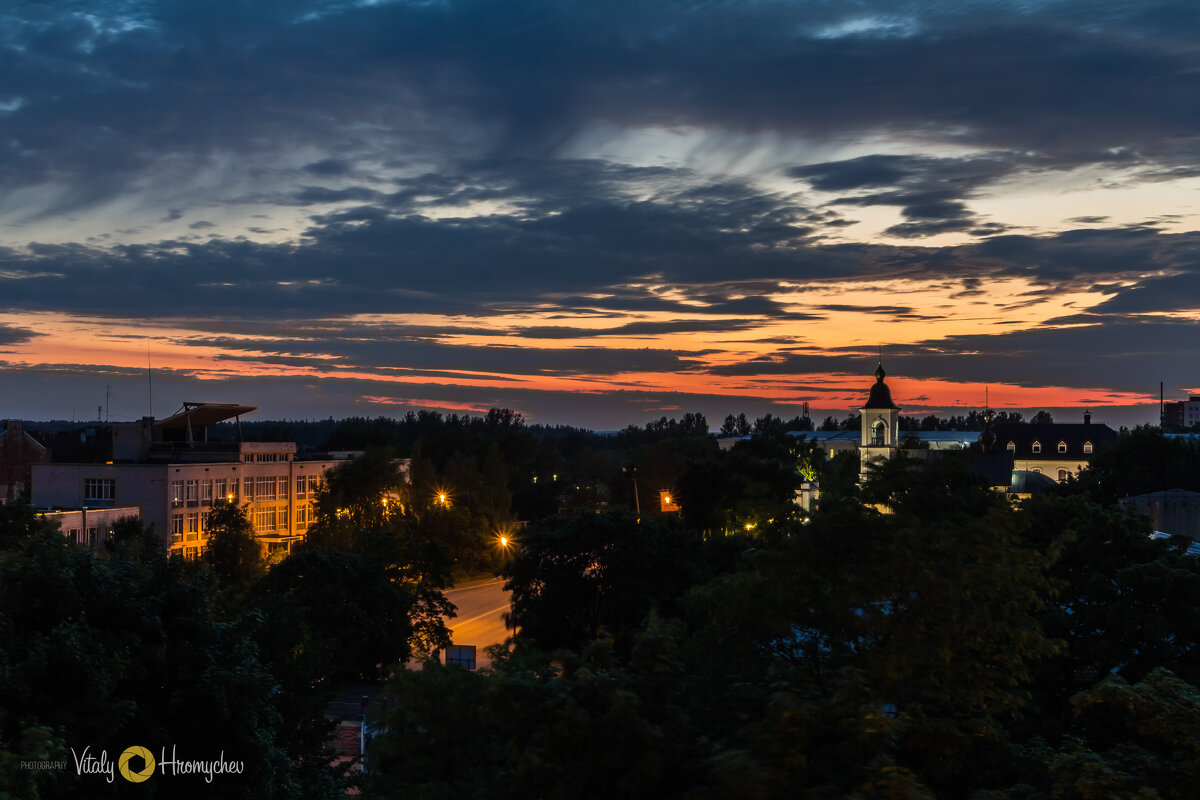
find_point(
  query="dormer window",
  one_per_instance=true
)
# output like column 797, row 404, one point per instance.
column 1011, row 447
column 1062, row 447
column 1037, row 447
column 1087, row 448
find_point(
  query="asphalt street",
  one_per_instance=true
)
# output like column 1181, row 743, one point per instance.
column 480, row 615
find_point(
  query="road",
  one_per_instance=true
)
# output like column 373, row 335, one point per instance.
column 480, row 621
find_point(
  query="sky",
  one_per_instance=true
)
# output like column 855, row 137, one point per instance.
column 598, row 213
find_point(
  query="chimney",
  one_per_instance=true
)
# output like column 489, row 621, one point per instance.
column 1087, row 418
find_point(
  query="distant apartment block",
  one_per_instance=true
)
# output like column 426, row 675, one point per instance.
column 1182, row 413
column 172, row 473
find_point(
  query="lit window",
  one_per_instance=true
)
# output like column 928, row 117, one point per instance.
column 264, row 520
column 1087, row 448
column 1062, row 474
column 1062, row 447
column 177, row 528
column 282, row 482
column 176, row 494
column 1012, row 447
column 1037, row 447
column 264, row 489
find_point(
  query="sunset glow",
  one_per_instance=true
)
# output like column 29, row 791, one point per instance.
column 500, row 215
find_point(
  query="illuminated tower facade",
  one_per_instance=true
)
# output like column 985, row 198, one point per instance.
column 880, row 425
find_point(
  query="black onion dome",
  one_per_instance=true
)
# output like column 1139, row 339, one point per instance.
column 881, row 395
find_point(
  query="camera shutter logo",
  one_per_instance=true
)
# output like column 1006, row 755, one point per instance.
column 127, row 772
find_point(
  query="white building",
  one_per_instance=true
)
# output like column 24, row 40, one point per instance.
column 89, row 526
column 171, row 472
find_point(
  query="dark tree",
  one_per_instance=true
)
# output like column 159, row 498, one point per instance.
column 130, row 538
column 574, row 579
column 233, row 554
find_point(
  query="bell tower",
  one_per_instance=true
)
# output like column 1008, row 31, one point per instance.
column 880, row 424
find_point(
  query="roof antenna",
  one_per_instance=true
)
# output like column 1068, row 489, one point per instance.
column 149, row 378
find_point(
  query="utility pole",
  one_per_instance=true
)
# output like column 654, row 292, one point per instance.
column 637, row 504
column 107, row 398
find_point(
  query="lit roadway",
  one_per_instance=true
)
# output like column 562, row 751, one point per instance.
column 480, row 621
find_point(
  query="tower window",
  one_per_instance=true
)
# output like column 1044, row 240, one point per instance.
column 877, row 434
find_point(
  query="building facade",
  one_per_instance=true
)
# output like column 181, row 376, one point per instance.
column 1057, row 450
column 174, row 480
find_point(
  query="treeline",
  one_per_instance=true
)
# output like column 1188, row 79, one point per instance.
column 971, row 421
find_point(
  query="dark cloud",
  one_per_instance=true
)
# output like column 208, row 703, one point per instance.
column 1130, row 355
column 111, row 93
column 10, row 335
column 648, row 329
column 930, row 192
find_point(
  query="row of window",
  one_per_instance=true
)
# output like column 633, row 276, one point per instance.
column 190, row 526
column 202, row 491
column 270, row 519
column 265, row 458
column 1036, row 447
column 187, row 527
